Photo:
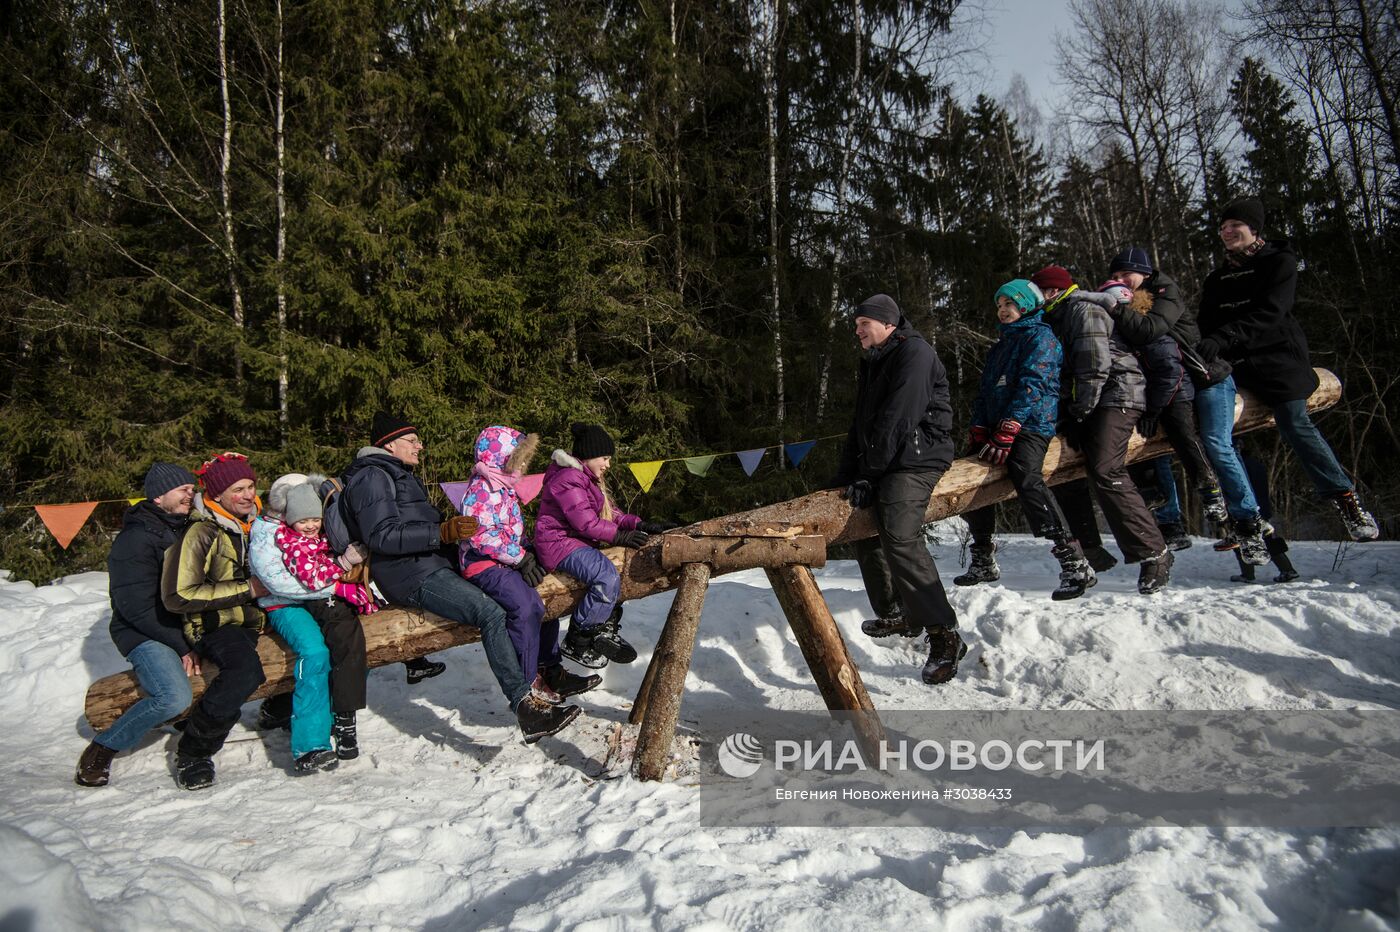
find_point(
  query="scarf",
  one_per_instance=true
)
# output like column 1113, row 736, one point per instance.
column 310, row 561
column 496, row 478
column 1237, row 258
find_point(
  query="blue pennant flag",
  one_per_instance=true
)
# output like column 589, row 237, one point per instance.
column 796, row 452
column 749, row 459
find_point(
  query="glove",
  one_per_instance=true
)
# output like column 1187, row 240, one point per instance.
column 657, row 527
column 457, row 528
column 356, row 553
column 977, row 437
column 998, row 448
column 1147, row 424
column 1071, row 431
column 859, row 493
column 633, row 539
column 1209, row 349
column 530, row 570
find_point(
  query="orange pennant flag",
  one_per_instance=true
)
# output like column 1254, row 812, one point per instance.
column 65, row 521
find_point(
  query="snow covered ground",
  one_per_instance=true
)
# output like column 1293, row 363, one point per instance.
column 447, row 822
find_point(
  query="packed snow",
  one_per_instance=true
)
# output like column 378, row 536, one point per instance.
column 447, row 821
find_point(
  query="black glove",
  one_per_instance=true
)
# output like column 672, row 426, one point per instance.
column 1209, row 349
column 1147, row 424
column 860, row 494
column 657, row 527
column 634, row 539
column 530, row 570
column 1071, row 431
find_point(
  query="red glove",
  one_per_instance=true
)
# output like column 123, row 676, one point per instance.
column 977, row 437
column 998, row 448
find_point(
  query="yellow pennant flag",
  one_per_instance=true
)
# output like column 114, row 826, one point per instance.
column 134, row 501
column 646, row 473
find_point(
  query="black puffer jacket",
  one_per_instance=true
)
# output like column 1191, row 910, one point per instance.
column 1247, row 319
column 394, row 518
column 904, row 419
column 1167, row 315
column 133, row 569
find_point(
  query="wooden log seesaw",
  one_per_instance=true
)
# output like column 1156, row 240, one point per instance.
column 785, row 540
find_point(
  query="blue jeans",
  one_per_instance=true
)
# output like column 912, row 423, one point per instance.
column 1215, row 407
column 162, row 677
column 1313, row 451
column 311, row 693
column 447, row 594
column 597, row 572
column 1170, row 513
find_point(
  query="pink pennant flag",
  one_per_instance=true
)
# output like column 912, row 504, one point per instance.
column 528, row 488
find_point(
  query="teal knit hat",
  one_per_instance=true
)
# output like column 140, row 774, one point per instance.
column 1024, row 294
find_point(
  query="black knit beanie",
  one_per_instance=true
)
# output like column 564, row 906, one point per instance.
column 1247, row 210
column 591, row 440
column 386, row 428
column 880, row 307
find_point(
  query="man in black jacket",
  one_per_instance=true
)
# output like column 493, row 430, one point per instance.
column 405, row 534
column 1247, row 320
column 899, row 444
column 144, row 630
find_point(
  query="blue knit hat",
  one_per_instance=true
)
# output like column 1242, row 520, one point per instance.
column 1132, row 259
column 162, row 477
column 1024, row 294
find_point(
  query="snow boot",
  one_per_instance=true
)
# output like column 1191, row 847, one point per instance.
column 983, row 567
column 1359, row 523
column 194, row 773
column 95, row 766
column 542, row 690
column 315, row 761
column 566, row 683
column 1100, row 559
column 578, row 647
column 421, row 668
column 1175, row 536
column 946, row 650
column 1076, row 575
column 1213, row 505
column 347, row 743
column 1278, row 552
column 1249, row 537
column 604, row 641
column 1156, row 571
column 893, row 624
column 538, row 718
column 275, row 713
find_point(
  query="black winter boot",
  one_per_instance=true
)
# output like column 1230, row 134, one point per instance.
column 983, row 567
column 1076, row 575
column 1155, row 572
column 421, row 668
column 275, row 713
column 604, row 640
column 567, row 683
column 1278, row 552
column 1249, row 536
column 894, row 624
column 537, row 718
column 1100, row 559
column 1359, row 523
column 946, row 650
column 578, row 647
column 1175, row 536
column 194, row 773
column 95, row 766
column 315, row 762
column 347, row 743
column 1213, row 505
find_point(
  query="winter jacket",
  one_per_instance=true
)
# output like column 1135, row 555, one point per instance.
column 1247, row 311
column 265, row 561
column 1167, row 315
column 1099, row 369
column 309, row 559
column 500, row 532
column 133, row 579
column 572, row 503
column 1021, row 379
column 903, row 419
column 205, row 577
column 394, row 518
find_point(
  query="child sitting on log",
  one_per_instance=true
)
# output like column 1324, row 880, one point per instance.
column 577, row 516
column 498, row 561
column 1013, row 421
column 316, row 611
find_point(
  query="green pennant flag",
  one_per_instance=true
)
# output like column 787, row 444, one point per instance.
column 699, row 465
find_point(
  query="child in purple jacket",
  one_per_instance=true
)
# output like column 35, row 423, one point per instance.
column 577, row 516
column 496, row 559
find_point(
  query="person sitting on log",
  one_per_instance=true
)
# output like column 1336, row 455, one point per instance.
column 1247, row 321
column 498, row 560
column 316, row 610
column 898, row 446
column 205, row 578
column 577, row 516
column 1013, row 422
column 1102, row 399
column 144, row 630
column 407, row 537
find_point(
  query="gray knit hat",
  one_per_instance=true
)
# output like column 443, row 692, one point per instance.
column 162, row 477
column 302, row 503
column 880, row 307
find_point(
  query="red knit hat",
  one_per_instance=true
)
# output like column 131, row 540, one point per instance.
column 1053, row 276
column 223, row 471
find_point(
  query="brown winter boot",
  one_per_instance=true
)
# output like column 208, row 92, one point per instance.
column 95, row 766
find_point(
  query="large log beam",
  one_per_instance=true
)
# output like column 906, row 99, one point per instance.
column 398, row 634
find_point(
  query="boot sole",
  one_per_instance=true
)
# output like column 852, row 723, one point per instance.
column 595, row 662
column 533, row 737
column 330, row 764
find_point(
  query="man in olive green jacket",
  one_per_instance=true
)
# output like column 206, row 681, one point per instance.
column 206, row 580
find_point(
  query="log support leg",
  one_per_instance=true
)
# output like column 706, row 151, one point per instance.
column 658, row 703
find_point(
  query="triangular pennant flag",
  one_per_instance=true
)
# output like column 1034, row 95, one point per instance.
column 134, row 501
column 749, row 459
column 65, row 521
column 796, row 452
column 528, row 488
column 646, row 472
column 454, row 492
column 699, row 465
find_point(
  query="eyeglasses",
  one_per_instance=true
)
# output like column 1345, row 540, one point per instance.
column 413, row 441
